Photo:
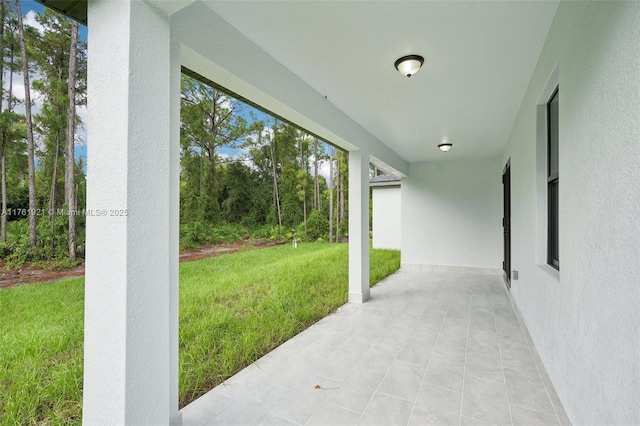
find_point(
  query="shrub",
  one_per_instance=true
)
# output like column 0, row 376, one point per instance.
column 317, row 226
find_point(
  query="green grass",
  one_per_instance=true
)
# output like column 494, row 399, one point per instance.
column 41, row 353
column 233, row 309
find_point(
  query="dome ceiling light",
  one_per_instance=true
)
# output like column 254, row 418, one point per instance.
column 409, row 65
column 444, row 147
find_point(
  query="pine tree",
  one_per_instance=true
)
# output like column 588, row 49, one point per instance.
column 29, row 122
column 69, row 180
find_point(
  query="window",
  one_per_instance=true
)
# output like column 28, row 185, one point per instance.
column 553, row 257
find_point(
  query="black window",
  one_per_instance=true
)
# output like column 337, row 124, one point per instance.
column 553, row 257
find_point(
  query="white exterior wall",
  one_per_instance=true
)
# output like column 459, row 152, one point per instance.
column 451, row 214
column 584, row 320
column 386, row 217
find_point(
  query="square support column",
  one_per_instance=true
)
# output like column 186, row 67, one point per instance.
column 131, row 290
column 359, row 291
column 174, row 232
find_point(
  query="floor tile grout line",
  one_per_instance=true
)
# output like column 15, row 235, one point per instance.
column 530, row 347
column 343, row 408
column 413, row 408
column 506, row 390
column 544, row 382
column 476, row 420
column 378, row 387
column 464, row 371
column 535, row 411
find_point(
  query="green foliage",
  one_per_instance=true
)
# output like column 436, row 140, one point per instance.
column 198, row 233
column 51, row 250
column 317, row 226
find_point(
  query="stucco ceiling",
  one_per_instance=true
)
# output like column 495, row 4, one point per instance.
column 479, row 56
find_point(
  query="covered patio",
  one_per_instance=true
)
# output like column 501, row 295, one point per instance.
column 531, row 91
column 430, row 347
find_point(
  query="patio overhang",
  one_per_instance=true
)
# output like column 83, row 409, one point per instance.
column 293, row 59
column 329, row 68
column 74, row 9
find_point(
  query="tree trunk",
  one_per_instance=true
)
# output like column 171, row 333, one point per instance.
column 304, row 211
column 303, row 165
column 316, row 184
column 342, row 195
column 337, row 212
column 3, row 170
column 5, row 141
column 29, row 120
column 3, row 150
column 52, row 193
column 69, row 164
column 276, row 195
column 330, row 194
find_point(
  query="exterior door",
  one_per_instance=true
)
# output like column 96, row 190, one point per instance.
column 506, row 221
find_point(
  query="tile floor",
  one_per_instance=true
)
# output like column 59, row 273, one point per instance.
column 428, row 348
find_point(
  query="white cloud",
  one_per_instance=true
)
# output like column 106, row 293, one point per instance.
column 323, row 170
column 30, row 20
column 17, row 89
column 267, row 132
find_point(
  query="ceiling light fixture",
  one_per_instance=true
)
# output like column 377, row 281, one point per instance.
column 409, row 65
column 444, row 147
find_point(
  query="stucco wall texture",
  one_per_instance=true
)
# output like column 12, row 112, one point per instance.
column 584, row 320
column 386, row 217
column 451, row 214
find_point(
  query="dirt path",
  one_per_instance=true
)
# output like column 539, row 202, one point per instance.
column 31, row 275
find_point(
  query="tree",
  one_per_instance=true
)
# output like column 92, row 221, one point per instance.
column 342, row 171
column 29, row 122
column 210, row 122
column 317, row 205
column 12, row 130
column 237, row 194
column 52, row 50
column 301, row 186
column 3, row 150
column 331, row 194
column 69, row 180
column 276, row 194
column 303, row 177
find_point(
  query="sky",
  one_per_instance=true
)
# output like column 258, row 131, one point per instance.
column 29, row 10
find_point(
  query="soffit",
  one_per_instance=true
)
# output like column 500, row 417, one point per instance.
column 479, row 56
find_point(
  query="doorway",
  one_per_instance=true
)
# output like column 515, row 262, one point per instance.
column 506, row 222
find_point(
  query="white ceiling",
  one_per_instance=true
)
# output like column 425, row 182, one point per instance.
column 479, row 56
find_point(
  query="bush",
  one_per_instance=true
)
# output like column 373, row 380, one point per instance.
column 192, row 234
column 51, row 250
column 227, row 233
column 198, row 233
column 317, row 226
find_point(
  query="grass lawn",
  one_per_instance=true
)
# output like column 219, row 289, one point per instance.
column 233, row 309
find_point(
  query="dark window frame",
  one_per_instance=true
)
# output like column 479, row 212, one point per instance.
column 553, row 257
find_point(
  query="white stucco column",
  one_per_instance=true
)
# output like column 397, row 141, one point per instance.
column 130, row 367
column 359, row 291
column 174, row 232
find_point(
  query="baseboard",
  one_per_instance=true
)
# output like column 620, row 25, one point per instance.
column 453, row 269
column 555, row 399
